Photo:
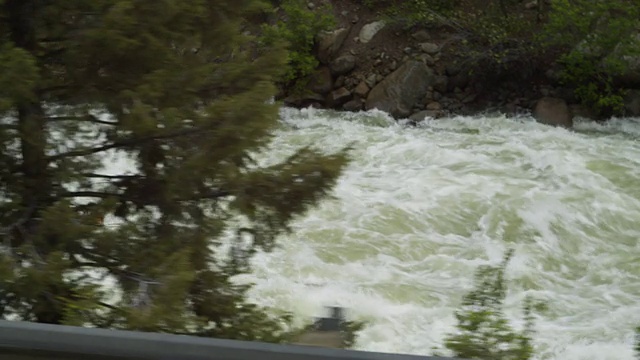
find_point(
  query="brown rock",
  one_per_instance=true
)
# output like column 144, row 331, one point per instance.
column 361, row 90
column 353, row 105
column 339, row 97
column 434, row 105
column 321, row 81
column 343, row 64
column 553, row 111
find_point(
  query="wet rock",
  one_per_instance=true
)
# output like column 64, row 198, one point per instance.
column 329, row 43
column 361, row 90
column 321, row 81
column 370, row 30
column 578, row 110
column 554, row 112
column 425, row 114
column 434, row 105
column 353, row 105
column 339, row 97
column 399, row 92
column 343, row 64
column 303, row 100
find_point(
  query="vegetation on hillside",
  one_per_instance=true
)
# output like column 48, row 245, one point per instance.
column 298, row 26
column 593, row 41
column 180, row 89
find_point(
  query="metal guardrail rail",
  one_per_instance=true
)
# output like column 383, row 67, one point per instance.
column 33, row 341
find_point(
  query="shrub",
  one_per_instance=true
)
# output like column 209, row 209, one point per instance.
column 298, row 27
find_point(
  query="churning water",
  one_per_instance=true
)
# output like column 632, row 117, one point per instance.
column 419, row 209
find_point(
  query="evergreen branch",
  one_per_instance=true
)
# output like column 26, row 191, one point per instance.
column 93, row 194
column 129, row 142
column 115, row 177
column 21, row 221
column 88, row 118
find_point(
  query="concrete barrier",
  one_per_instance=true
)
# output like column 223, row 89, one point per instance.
column 33, row 341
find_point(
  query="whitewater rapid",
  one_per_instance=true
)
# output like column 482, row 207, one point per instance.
column 419, row 209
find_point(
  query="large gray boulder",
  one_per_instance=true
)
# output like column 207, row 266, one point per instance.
column 554, row 112
column 343, row 64
column 329, row 42
column 370, row 30
column 399, row 92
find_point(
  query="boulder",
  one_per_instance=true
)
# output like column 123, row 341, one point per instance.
column 434, row 105
column 370, row 30
column 430, row 48
column 554, row 112
column 353, row 105
column 343, row 64
column 361, row 90
column 399, row 92
column 421, row 35
column 303, row 100
column 329, row 42
column 321, row 81
column 339, row 97
column 422, row 115
column 632, row 103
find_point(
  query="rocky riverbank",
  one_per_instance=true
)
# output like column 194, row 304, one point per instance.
column 423, row 72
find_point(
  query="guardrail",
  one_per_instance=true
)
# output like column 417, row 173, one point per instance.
column 34, row 341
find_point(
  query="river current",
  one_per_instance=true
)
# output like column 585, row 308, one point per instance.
column 419, row 209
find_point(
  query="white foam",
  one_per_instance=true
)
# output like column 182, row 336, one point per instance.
column 420, row 208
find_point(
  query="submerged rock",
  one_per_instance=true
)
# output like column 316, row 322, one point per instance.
column 554, row 112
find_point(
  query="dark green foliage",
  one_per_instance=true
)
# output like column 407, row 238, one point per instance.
column 483, row 330
column 298, row 27
column 637, row 345
column 187, row 91
column 597, row 37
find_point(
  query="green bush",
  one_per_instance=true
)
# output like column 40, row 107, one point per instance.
column 298, row 27
column 596, row 38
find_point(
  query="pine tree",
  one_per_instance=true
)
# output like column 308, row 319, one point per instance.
column 180, row 88
column 483, row 331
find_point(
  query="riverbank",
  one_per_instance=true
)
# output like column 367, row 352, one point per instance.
column 437, row 69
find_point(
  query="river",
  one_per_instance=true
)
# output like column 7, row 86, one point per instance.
column 419, row 209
